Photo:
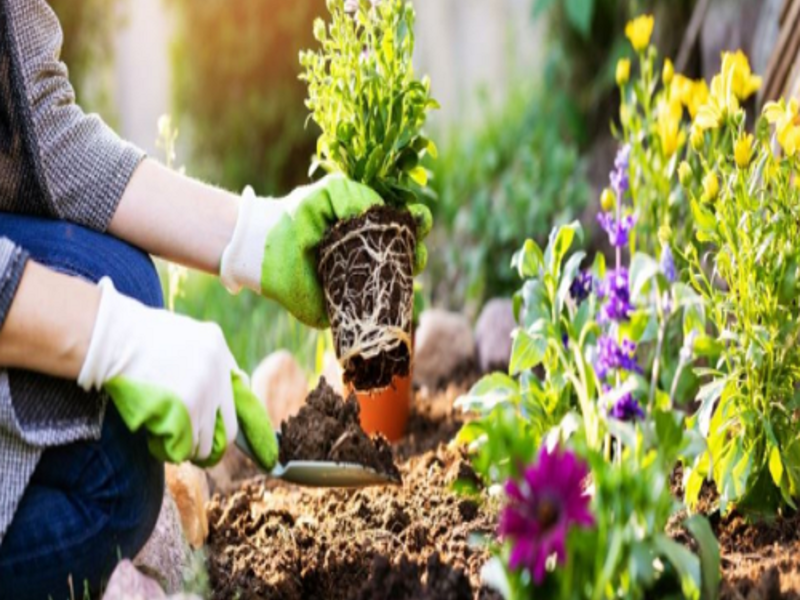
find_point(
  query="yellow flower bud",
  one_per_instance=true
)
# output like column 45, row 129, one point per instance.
column 623, row 71
column 743, row 150
column 668, row 73
column 710, row 187
column 697, row 138
column 685, row 173
column 639, row 31
column 664, row 234
column 607, row 200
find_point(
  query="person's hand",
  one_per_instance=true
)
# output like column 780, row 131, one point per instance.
column 273, row 250
column 176, row 378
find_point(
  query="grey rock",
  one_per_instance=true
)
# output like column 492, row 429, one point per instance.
column 493, row 335
column 444, row 344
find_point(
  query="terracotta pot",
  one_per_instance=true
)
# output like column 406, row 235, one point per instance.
column 386, row 411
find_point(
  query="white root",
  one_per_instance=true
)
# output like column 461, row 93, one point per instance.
column 370, row 332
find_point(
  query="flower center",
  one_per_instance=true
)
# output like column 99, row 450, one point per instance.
column 547, row 513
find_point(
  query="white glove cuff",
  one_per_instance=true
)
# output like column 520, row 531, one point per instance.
column 244, row 255
column 96, row 366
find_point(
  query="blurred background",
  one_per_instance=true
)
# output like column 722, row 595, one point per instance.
column 527, row 93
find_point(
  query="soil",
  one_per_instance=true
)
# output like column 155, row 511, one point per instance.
column 760, row 558
column 419, row 541
column 369, row 300
column 327, row 429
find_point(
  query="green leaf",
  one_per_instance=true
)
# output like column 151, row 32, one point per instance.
column 419, row 175
column 775, row 465
column 529, row 260
column 580, row 13
column 561, row 240
column 686, row 564
column 707, row 397
column 567, row 277
column 491, row 391
column 527, row 352
column 644, row 269
column 541, row 6
column 708, row 547
column 705, row 222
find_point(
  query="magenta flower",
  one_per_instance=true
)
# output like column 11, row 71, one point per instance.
column 542, row 507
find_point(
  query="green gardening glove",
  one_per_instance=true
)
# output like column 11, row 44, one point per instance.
column 273, row 249
column 176, row 379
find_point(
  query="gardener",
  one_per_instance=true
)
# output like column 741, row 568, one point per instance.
column 82, row 321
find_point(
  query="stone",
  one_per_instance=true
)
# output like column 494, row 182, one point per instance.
column 280, row 382
column 189, row 488
column 232, row 470
column 167, row 557
column 493, row 332
column 127, row 583
column 443, row 345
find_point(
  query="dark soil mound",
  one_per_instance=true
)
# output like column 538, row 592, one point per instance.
column 328, row 428
column 366, row 268
column 414, row 541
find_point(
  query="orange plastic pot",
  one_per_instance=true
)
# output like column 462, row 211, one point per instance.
column 387, row 411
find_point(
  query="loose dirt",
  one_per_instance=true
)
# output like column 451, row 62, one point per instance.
column 418, row 541
column 365, row 265
column 327, row 428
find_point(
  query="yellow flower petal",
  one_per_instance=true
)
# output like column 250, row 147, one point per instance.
column 639, row 31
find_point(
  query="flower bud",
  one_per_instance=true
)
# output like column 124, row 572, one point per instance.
column 607, row 200
column 668, row 72
column 710, row 186
column 685, row 173
column 743, row 150
column 697, row 138
column 623, row 71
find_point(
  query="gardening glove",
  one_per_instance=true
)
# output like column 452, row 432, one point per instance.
column 273, row 249
column 176, row 378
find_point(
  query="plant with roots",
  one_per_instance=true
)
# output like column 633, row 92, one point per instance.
column 364, row 96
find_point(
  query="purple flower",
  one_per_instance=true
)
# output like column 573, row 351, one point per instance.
column 542, row 506
column 616, row 293
column 618, row 231
column 613, row 357
column 581, row 286
column 626, row 409
column 565, row 341
column 619, row 177
column 668, row 264
column 351, row 6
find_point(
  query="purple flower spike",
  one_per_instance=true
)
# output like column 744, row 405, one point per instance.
column 626, row 409
column 542, row 507
column 616, row 293
column 620, row 179
column 613, row 357
column 668, row 264
column 581, row 286
column 619, row 232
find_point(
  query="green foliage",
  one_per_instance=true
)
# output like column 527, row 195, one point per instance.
column 513, row 177
column 88, row 49
column 364, row 96
column 236, row 92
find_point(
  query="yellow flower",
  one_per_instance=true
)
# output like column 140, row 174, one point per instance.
column 669, row 126
column 685, row 173
column 692, row 94
column 607, row 200
column 722, row 102
column 743, row 150
column 744, row 83
column 710, row 187
column 787, row 124
column 639, row 31
column 668, row 72
column 623, row 71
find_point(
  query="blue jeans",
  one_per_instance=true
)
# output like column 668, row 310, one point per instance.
column 88, row 503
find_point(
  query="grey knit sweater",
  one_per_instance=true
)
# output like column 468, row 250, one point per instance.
column 58, row 162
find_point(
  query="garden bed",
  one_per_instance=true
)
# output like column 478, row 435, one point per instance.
column 270, row 540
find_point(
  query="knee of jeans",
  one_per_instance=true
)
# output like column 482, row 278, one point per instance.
column 132, row 272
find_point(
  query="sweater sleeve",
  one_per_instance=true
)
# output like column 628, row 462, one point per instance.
column 12, row 264
column 82, row 165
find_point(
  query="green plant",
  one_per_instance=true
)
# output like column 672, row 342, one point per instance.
column 518, row 162
column 746, row 208
column 235, row 90
column 366, row 99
